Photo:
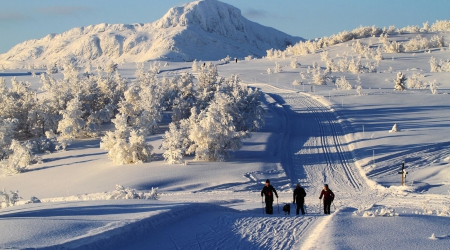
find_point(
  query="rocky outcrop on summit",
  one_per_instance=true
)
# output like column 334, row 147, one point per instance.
column 202, row 30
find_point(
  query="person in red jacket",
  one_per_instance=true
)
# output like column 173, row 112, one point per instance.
column 268, row 191
column 328, row 197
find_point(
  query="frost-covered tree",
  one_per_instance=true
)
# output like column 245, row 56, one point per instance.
column 11, row 198
column 209, row 83
column 72, row 125
column 319, row 77
column 214, row 133
column 185, row 97
column 194, row 66
column 415, row 81
column 174, row 144
column 126, row 146
column 400, row 81
column 434, row 86
column 342, row 84
column 269, row 71
column 7, row 128
column 294, row 63
column 20, row 158
column 278, row 68
column 111, row 67
column 155, row 68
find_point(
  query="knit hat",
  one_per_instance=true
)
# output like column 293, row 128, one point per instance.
column 267, row 181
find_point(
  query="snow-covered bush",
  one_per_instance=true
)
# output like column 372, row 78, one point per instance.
column 415, row 81
column 434, row 86
column 294, row 63
column 20, row 158
column 125, row 146
column 269, row 71
column 400, row 81
column 248, row 58
column 277, row 69
column 123, row 193
column 9, row 199
column 342, row 84
column 441, row 66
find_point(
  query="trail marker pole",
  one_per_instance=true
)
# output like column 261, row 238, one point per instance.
column 373, row 157
column 403, row 173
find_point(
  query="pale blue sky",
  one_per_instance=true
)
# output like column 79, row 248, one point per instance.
column 21, row 20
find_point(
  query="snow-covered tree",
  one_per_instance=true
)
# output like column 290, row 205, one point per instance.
column 434, row 86
column 415, row 81
column 20, row 158
column 185, row 97
column 9, row 199
column 269, row 71
column 174, row 144
column 125, row 146
column 342, row 84
column 277, row 69
column 319, row 77
column 194, row 66
column 294, row 63
column 111, row 67
column 400, row 81
column 209, row 83
column 214, row 133
column 72, row 125
column 7, row 128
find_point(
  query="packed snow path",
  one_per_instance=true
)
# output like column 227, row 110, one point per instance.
column 314, row 147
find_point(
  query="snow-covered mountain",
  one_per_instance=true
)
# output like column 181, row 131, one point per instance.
column 204, row 30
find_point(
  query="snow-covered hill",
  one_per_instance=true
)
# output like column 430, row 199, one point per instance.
column 203, row 30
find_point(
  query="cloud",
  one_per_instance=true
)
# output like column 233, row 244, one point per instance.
column 12, row 16
column 62, row 10
column 254, row 13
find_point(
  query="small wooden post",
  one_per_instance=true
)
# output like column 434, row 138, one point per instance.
column 403, row 173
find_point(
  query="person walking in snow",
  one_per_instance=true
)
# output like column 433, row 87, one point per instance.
column 299, row 198
column 268, row 191
column 328, row 197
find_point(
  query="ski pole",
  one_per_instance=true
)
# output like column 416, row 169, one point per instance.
column 278, row 205
column 334, row 207
column 320, row 205
column 305, row 209
column 262, row 204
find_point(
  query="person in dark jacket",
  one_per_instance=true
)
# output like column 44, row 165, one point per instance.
column 299, row 198
column 328, row 197
column 268, row 191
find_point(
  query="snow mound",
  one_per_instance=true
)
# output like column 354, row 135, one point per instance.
column 382, row 212
column 205, row 30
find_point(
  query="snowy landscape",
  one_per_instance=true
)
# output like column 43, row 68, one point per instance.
column 162, row 135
